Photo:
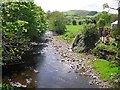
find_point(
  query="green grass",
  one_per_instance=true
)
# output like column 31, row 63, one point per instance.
column 74, row 28
column 109, row 48
column 105, row 68
column 71, row 32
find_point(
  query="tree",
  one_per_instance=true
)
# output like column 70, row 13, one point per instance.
column 21, row 23
column 107, row 6
column 117, row 30
column 106, row 16
column 74, row 22
column 56, row 22
column 80, row 23
column 101, row 23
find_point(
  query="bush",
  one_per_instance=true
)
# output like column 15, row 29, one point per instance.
column 106, row 52
column 85, row 40
column 80, row 23
column 74, row 22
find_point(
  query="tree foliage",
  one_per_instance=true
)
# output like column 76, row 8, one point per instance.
column 74, row 22
column 104, row 16
column 101, row 23
column 56, row 22
column 21, row 23
column 116, row 30
column 105, row 5
column 118, row 9
column 85, row 40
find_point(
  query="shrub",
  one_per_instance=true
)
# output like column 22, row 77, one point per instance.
column 85, row 40
column 105, row 52
column 79, row 22
column 74, row 22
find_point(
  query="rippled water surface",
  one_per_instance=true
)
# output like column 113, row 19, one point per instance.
column 44, row 70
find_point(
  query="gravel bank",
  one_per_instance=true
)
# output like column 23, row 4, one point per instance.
column 76, row 62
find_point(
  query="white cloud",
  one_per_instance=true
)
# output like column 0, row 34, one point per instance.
column 64, row 5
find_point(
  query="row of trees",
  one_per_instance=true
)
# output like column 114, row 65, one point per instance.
column 22, row 22
column 104, row 17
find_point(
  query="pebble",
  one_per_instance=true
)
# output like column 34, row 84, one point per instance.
column 74, row 60
column 72, row 67
column 35, row 71
column 70, row 50
column 63, row 60
column 91, row 82
column 35, row 81
column 76, row 71
column 68, row 60
column 77, row 66
column 17, row 84
column 116, row 81
column 69, row 71
column 28, row 80
column 94, row 77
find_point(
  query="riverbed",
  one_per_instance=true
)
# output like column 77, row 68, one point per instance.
column 45, row 69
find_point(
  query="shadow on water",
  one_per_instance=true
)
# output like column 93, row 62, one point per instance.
column 24, row 74
column 43, row 69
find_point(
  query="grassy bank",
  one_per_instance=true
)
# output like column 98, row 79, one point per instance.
column 71, row 32
column 107, row 70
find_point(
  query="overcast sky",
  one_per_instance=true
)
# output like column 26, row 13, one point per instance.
column 65, row 5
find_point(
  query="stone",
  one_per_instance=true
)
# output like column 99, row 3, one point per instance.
column 94, row 77
column 91, row 82
column 70, row 50
column 35, row 71
column 69, row 71
column 72, row 67
column 73, row 60
column 77, row 66
column 76, row 71
column 63, row 60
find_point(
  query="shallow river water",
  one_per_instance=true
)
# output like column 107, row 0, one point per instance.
column 44, row 70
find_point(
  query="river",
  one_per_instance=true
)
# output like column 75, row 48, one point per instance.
column 44, row 70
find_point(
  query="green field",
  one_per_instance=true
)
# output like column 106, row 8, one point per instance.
column 71, row 32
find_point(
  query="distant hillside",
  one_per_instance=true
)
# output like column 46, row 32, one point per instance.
column 92, row 13
column 80, row 12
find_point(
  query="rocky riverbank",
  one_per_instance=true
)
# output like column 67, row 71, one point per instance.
column 76, row 62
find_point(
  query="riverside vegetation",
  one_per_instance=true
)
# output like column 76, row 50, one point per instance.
column 25, row 22
column 86, row 30
column 22, row 23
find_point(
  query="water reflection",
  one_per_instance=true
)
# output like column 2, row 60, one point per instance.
column 24, row 75
column 44, row 70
